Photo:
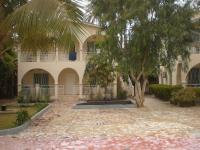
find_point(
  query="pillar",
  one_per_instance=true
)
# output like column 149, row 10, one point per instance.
column 56, row 89
column 81, row 55
column 80, row 88
column 56, row 54
column 115, row 88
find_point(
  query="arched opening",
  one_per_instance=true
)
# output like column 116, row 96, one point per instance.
column 91, row 43
column 37, row 76
column 38, row 84
column 193, row 77
column 68, row 81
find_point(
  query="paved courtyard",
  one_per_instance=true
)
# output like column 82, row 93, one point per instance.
column 158, row 125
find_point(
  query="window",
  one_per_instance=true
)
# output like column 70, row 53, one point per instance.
column 41, row 78
column 92, row 46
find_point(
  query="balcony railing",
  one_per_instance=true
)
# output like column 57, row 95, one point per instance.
column 195, row 50
column 28, row 56
column 51, row 56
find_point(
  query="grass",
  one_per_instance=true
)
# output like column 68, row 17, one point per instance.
column 7, row 120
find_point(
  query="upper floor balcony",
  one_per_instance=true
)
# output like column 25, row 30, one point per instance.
column 53, row 56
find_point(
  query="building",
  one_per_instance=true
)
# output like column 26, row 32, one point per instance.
column 58, row 72
column 191, row 77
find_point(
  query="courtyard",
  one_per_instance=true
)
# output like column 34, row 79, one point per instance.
column 158, row 125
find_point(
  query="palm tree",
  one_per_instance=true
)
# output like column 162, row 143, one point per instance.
column 40, row 23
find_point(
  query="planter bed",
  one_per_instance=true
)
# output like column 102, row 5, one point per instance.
column 113, row 104
column 108, row 102
column 17, row 129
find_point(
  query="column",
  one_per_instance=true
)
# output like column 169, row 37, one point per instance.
column 81, row 55
column 56, row 89
column 19, row 80
column 56, row 54
column 80, row 89
column 115, row 88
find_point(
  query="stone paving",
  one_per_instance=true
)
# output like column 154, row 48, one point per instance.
column 158, row 125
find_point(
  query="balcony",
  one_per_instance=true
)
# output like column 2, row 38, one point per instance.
column 54, row 56
column 51, row 56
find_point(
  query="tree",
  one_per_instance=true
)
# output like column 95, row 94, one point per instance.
column 100, row 70
column 33, row 25
column 8, row 57
column 143, row 35
column 39, row 24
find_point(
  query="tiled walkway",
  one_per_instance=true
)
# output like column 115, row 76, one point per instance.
column 157, row 126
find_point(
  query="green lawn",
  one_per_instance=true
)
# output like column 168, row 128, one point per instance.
column 7, row 120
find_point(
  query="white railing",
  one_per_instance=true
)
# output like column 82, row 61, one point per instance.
column 50, row 56
column 87, row 55
column 195, row 50
column 28, row 56
column 38, row 93
column 68, row 90
column 47, row 90
column 47, row 56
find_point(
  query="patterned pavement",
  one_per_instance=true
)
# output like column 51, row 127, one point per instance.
column 157, row 126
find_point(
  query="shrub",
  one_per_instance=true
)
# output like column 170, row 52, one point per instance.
column 20, row 98
column 164, row 92
column 184, row 98
column 22, row 117
column 122, row 94
column 197, row 92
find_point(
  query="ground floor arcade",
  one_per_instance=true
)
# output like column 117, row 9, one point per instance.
column 40, row 82
column 181, row 75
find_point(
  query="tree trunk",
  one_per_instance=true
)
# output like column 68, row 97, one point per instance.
column 140, row 93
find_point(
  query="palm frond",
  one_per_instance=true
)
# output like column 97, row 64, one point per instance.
column 40, row 22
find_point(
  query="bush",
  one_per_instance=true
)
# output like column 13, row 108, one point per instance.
column 20, row 98
column 184, row 98
column 164, row 92
column 197, row 92
column 22, row 117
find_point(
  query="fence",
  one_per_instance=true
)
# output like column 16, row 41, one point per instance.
column 31, row 93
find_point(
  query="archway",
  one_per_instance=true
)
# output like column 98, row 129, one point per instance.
column 193, row 77
column 68, row 81
column 38, row 84
column 91, row 43
column 38, row 76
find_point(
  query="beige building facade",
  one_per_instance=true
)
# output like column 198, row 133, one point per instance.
column 59, row 71
column 190, row 76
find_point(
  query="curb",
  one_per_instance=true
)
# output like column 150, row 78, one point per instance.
column 25, row 125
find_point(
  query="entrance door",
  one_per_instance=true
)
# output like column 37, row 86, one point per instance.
column 69, row 84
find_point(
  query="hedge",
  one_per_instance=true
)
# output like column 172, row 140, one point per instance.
column 197, row 92
column 164, row 92
column 185, row 97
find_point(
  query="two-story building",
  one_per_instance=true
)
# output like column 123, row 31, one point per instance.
column 191, row 77
column 59, row 71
